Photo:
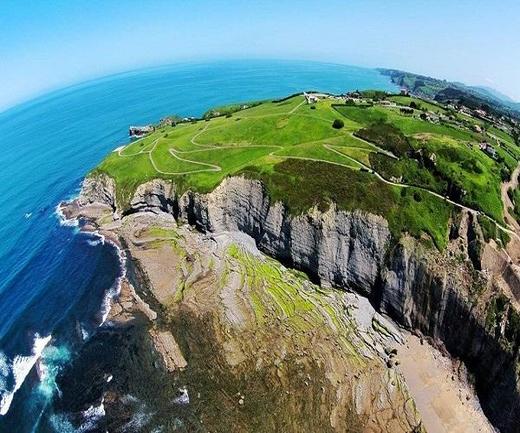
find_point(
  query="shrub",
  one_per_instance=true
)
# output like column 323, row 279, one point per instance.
column 504, row 174
column 338, row 124
column 386, row 136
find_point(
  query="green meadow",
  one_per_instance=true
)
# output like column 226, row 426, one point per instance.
column 381, row 160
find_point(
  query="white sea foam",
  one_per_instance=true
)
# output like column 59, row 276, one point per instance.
column 139, row 419
column 61, row 422
column 115, row 290
column 84, row 333
column 92, row 416
column 100, row 239
column 20, row 368
column 4, row 372
column 106, row 305
column 96, row 242
column 183, row 398
column 140, row 415
column 64, row 221
column 50, row 364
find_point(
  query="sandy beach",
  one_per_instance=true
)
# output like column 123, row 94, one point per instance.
column 445, row 400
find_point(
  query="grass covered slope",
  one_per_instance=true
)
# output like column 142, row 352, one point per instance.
column 379, row 158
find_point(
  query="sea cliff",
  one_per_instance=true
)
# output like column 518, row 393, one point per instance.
column 440, row 295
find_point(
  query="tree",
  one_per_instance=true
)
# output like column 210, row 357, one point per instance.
column 338, row 124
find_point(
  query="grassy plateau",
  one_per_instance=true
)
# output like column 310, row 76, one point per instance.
column 379, row 158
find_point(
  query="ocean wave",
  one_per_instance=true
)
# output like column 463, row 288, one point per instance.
column 99, row 239
column 140, row 416
column 64, row 221
column 61, row 422
column 19, row 369
column 51, row 362
column 84, row 333
column 92, row 416
column 115, row 290
column 4, row 371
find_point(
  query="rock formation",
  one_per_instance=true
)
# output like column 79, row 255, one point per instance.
column 440, row 295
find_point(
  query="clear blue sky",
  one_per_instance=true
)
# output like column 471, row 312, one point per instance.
column 53, row 43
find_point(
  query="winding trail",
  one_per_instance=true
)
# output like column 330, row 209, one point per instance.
column 298, row 106
column 513, row 230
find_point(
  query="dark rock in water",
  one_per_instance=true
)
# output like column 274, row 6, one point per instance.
column 138, row 392
column 140, row 131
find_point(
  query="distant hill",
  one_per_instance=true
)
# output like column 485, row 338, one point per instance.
column 493, row 93
column 444, row 91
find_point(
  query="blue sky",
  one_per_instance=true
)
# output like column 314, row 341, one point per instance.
column 50, row 44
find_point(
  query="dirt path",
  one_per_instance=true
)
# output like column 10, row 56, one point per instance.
column 298, row 106
column 215, row 168
column 447, row 404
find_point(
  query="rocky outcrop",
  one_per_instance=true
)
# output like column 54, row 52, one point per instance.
column 422, row 290
column 221, row 338
column 100, row 189
column 154, row 196
column 335, row 248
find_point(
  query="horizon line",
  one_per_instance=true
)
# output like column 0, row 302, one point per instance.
column 48, row 92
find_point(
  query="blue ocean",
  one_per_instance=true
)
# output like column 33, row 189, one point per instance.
column 56, row 282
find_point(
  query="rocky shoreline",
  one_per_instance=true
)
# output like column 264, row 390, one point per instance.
column 275, row 370
column 353, row 251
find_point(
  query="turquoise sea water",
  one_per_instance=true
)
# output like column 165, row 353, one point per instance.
column 54, row 280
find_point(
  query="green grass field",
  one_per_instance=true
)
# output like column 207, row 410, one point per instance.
column 406, row 100
column 293, row 148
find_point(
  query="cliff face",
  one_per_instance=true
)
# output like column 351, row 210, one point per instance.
column 98, row 190
column 422, row 290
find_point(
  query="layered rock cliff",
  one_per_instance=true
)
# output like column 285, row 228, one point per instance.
column 440, row 295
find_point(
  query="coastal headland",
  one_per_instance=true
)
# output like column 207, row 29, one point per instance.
column 277, row 263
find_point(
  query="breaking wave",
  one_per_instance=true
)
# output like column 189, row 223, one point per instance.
column 99, row 239
column 18, row 371
column 64, row 221
column 61, row 423
column 52, row 360
column 115, row 290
